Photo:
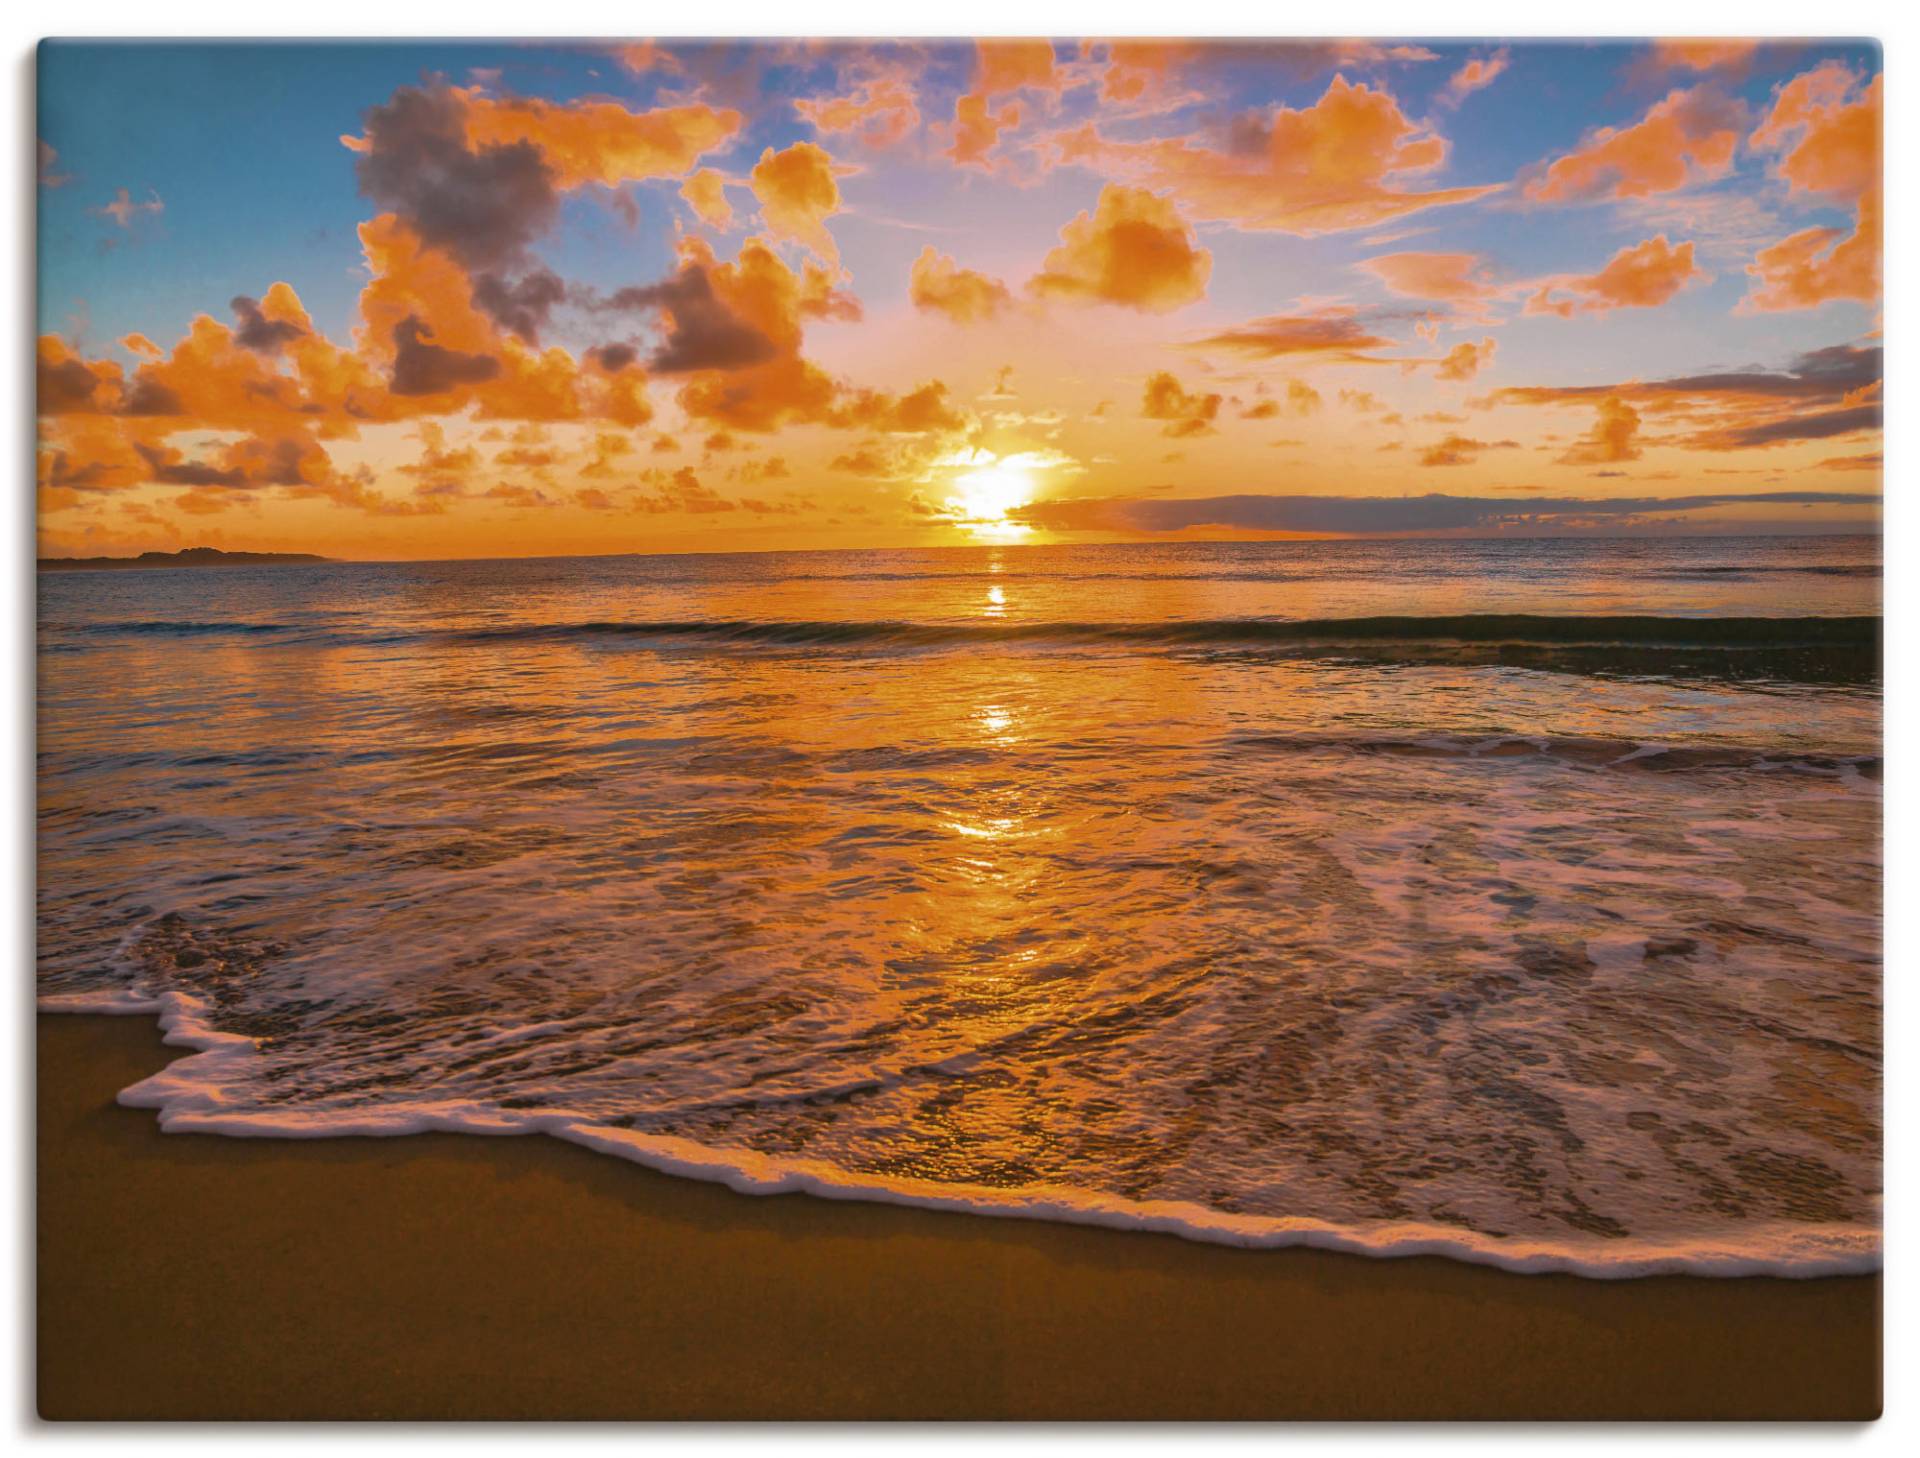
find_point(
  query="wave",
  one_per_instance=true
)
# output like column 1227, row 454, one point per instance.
column 188, row 1097
column 1597, row 753
column 1717, row 632
column 1743, row 569
column 1792, row 649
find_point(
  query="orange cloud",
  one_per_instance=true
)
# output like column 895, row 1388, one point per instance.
column 1341, row 163
column 976, row 130
column 706, row 193
column 1185, row 414
column 1457, row 278
column 1015, row 65
column 1138, row 68
column 881, row 112
column 1459, row 450
column 1134, row 249
column 1702, row 55
column 1479, row 73
column 758, row 301
column 1335, row 334
column 600, row 141
column 1818, row 265
column 1830, row 130
column 1464, row 360
column 938, row 285
column 1688, row 137
column 1641, row 277
column 797, row 193
column 1827, row 394
column 641, row 57
column 1612, row 439
column 1000, row 67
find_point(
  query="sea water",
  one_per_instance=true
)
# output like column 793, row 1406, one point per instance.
column 1517, row 901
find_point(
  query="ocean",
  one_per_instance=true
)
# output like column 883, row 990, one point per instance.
column 1517, row 901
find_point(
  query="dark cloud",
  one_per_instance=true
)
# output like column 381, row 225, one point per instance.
column 423, row 368
column 523, row 307
column 64, row 387
column 172, row 472
column 701, row 332
column 613, row 358
column 1823, row 374
column 150, row 397
column 281, row 461
column 483, row 206
column 259, row 333
column 1801, row 427
column 1388, row 514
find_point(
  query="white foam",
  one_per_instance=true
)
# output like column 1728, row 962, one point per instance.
column 188, row 1097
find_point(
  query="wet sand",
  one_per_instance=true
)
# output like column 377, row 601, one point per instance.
column 446, row 1276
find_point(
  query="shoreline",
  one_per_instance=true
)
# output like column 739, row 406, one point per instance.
column 1799, row 1251
column 447, row 1276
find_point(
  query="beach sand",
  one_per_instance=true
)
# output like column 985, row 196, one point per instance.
column 446, row 1276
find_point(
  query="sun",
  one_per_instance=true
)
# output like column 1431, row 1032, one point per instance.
column 985, row 500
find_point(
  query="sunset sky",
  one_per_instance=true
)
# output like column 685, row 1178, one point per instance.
column 479, row 300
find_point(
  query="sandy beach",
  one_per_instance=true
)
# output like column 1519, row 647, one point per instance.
column 451, row 1277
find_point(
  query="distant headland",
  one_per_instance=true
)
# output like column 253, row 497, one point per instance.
column 190, row 557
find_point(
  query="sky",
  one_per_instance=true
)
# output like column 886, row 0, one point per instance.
column 450, row 300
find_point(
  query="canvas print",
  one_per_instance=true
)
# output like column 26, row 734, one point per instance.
column 991, row 728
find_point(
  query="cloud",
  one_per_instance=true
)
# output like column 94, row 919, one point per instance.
column 601, row 142
column 1865, row 461
column 613, row 357
column 483, row 205
column 938, row 285
column 1133, row 250
column 123, row 211
column 421, row 367
column 1300, row 399
column 270, row 327
column 1335, row 334
column 705, row 192
column 1001, row 67
column 480, row 177
column 1460, row 450
column 1455, row 278
column 640, row 57
column 1688, row 137
column 1185, row 414
column 1822, row 426
column 976, row 130
column 683, row 491
column 701, row 331
column 1138, row 69
column 47, row 169
column 1821, row 375
column 1344, row 162
column 1477, row 74
column 1390, row 515
column 797, row 193
column 1698, row 55
column 735, row 330
column 1612, row 438
column 523, row 307
column 1829, row 127
column 1465, row 360
column 881, row 112
column 1823, row 394
column 1641, row 277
